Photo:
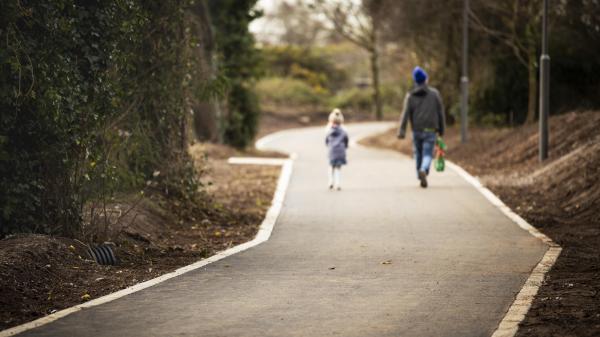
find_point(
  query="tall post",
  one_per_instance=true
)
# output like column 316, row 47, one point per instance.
column 464, row 79
column 544, row 86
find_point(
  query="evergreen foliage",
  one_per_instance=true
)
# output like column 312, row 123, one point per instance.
column 239, row 62
column 94, row 99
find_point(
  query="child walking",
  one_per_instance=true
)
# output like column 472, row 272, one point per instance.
column 337, row 143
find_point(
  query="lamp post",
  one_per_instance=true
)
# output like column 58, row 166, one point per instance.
column 544, row 86
column 464, row 79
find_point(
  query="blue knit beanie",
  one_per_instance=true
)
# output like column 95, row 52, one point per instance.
column 419, row 75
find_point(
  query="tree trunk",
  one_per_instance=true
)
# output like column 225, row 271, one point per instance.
column 376, row 89
column 374, row 9
column 207, row 118
column 532, row 70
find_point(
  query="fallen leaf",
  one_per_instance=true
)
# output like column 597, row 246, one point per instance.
column 387, row 262
column 86, row 297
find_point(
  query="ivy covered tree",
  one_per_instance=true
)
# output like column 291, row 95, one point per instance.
column 94, row 100
column 57, row 88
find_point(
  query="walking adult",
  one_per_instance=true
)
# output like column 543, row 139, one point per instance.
column 424, row 108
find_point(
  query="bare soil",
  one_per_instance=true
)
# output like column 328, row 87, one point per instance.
column 561, row 197
column 41, row 274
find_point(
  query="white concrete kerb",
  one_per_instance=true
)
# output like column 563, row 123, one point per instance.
column 257, row 161
column 263, row 234
column 516, row 313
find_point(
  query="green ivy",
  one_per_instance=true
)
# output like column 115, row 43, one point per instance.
column 93, row 97
column 239, row 61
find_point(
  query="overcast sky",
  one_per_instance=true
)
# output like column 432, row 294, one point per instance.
column 270, row 30
column 262, row 27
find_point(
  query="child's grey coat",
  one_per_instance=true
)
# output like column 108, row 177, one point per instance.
column 337, row 142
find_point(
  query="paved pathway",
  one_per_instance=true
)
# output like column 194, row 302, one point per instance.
column 456, row 262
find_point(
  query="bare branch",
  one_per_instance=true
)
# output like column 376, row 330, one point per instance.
column 510, row 39
column 339, row 17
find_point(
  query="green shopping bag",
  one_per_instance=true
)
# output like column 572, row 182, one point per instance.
column 440, row 153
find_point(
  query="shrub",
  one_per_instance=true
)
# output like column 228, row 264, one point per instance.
column 289, row 91
column 360, row 100
column 242, row 121
column 310, row 64
column 505, row 92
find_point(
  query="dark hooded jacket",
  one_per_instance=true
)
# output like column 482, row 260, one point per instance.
column 424, row 108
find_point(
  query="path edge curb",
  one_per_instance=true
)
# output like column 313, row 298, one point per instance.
column 509, row 325
column 263, row 234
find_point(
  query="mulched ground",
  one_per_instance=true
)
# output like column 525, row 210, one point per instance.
column 41, row 274
column 561, row 197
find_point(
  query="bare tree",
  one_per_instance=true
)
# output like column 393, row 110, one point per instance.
column 300, row 26
column 516, row 24
column 430, row 29
column 359, row 23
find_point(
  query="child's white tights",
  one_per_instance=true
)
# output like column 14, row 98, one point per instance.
column 334, row 177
